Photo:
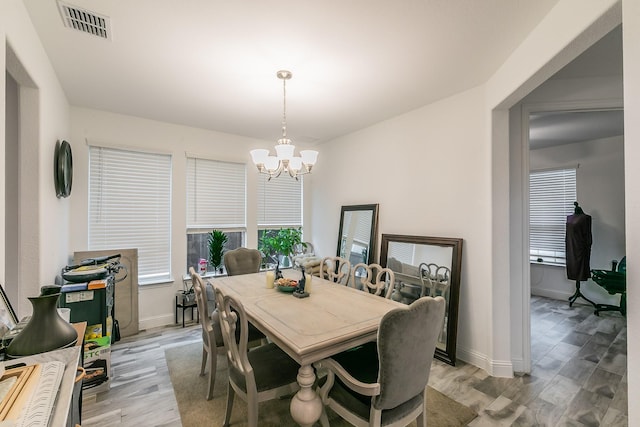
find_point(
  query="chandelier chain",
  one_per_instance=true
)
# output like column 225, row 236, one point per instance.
column 284, row 108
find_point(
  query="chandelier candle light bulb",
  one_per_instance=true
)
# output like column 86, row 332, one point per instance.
column 285, row 158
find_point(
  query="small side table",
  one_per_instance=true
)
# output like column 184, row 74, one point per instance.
column 185, row 301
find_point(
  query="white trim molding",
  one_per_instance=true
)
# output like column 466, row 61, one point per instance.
column 495, row 368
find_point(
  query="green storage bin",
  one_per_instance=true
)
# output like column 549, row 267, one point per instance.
column 93, row 306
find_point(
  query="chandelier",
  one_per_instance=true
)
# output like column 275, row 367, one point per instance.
column 284, row 160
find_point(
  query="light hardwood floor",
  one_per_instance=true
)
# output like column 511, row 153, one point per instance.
column 578, row 376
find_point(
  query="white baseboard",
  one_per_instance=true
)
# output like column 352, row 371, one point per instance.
column 495, row 368
column 551, row 293
column 158, row 321
column 518, row 365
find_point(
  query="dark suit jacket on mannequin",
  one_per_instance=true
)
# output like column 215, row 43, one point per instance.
column 578, row 246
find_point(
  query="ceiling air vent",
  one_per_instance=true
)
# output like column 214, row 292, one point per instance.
column 85, row 21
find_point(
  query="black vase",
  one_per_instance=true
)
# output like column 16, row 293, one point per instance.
column 45, row 331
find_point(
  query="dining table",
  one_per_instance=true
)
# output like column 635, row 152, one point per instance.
column 332, row 319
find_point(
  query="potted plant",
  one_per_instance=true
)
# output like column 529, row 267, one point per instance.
column 281, row 243
column 217, row 240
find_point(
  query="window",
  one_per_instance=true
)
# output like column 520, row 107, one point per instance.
column 130, row 207
column 551, row 197
column 279, row 204
column 216, row 199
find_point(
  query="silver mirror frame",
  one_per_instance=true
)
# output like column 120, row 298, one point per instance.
column 373, row 236
column 448, row 354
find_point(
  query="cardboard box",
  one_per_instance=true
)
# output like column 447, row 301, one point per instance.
column 97, row 364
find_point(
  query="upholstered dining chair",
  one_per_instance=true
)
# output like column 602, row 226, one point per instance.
column 335, row 269
column 211, row 333
column 242, row 261
column 264, row 373
column 373, row 278
column 245, row 261
column 392, row 391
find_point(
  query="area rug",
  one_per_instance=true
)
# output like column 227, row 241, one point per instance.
column 195, row 411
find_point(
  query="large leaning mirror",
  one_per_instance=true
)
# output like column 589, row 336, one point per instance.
column 427, row 266
column 357, row 233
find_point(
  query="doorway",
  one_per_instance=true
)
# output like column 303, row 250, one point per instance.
column 572, row 95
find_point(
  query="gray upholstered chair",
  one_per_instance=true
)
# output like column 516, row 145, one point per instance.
column 373, row 279
column 242, row 261
column 390, row 392
column 264, row 373
column 211, row 333
column 335, row 269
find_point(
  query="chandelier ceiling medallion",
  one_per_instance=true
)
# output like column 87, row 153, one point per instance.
column 284, row 160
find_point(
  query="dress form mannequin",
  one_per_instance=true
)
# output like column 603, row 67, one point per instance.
column 578, row 250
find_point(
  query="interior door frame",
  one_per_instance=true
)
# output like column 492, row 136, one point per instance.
column 526, row 111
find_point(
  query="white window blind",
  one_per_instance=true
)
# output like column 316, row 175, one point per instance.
column 130, row 207
column 551, row 197
column 279, row 202
column 402, row 252
column 361, row 227
column 216, row 194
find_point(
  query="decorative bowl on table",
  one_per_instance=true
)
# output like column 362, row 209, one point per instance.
column 286, row 285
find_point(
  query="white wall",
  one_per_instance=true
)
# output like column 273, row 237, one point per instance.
column 600, row 185
column 630, row 36
column 156, row 302
column 429, row 171
column 44, row 120
column 11, row 171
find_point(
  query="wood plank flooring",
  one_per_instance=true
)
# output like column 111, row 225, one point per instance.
column 578, row 377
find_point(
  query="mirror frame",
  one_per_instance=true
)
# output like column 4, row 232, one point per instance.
column 448, row 355
column 373, row 237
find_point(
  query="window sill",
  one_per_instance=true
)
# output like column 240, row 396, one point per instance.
column 157, row 283
column 549, row 264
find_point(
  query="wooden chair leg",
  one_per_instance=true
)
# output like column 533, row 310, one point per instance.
column 422, row 420
column 230, row 397
column 204, row 360
column 324, row 419
column 213, row 360
column 252, row 410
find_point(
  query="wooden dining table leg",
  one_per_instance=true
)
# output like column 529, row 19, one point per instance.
column 306, row 405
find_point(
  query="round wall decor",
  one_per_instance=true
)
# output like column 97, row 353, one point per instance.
column 63, row 169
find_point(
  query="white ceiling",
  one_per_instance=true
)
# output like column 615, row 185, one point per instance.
column 554, row 128
column 558, row 128
column 212, row 63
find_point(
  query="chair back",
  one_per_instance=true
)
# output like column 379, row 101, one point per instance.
column 303, row 248
column 373, row 279
column 406, row 344
column 208, row 335
column 335, row 269
column 242, row 261
column 435, row 279
column 232, row 318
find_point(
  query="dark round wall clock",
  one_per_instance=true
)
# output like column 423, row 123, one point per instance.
column 63, row 169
